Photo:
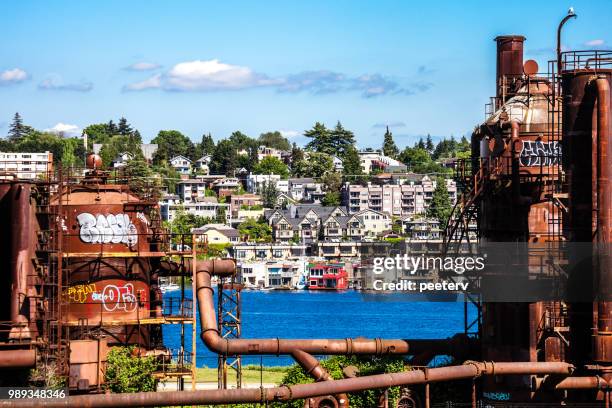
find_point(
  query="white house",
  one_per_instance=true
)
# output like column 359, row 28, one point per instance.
column 255, row 182
column 375, row 160
column 375, row 222
column 122, row 160
column 202, row 165
column 204, row 207
column 191, row 190
column 181, row 163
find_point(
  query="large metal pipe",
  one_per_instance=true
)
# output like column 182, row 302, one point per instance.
column 20, row 227
column 17, row 358
column 275, row 346
column 314, row 369
column 602, row 338
column 469, row 370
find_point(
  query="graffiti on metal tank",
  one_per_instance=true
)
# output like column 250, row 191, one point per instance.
column 538, row 153
column 106, row 229
column 117, row 298
column 79, row 293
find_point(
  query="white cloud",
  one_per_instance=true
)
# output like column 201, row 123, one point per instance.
column 56, row 83
column 594, row 43
column 13, row 76
column 153, row 82
column 213, row 75
column 290, row 133
column 143, row 66
column 204, row 76
column 65, row 129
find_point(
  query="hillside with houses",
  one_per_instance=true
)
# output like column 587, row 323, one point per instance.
column 293, row 217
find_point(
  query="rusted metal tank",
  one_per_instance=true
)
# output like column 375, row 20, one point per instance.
column 509, row 64
column 587, row 126
column 87, row 363
column 108, row 250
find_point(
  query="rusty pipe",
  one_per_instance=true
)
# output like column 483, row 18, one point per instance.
column 314, row 369
column 20, row 227
column 17, row 358
column 299, row 391
column 602, row 341
column 275, row 346
column 582, row 383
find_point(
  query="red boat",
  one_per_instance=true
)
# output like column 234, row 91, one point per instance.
column 327, row 276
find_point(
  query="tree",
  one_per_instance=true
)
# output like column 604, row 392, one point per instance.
column 297, row 154
column 206, row 146
column 440, row 206
column 241, row 141
column 256, row 230
column 271, row 165
column 171, row 143
column 351, row 162
column 124, row 127
column 269, row 194
column 314, row 165
column 127, row 372
column 420, row 144
column 141, row 179
column 429, row 146
column 224, row 158
column 274, row 140
column 389, row 147
column 341, row 139
column 321, row 139
column 17, row 129
column 120, row 144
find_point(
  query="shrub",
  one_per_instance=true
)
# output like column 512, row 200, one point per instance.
column 128, row 373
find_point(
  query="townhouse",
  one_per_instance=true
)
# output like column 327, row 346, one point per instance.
column 218, row 234
column 256, row 182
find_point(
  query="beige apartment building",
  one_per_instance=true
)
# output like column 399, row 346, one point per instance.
column 399, row 200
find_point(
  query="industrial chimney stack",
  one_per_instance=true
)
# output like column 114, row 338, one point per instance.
column 509, row 65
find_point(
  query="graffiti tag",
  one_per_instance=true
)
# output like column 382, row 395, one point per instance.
column 78, row 293
column 106, row 229
column 538, row 153
column 117, row 298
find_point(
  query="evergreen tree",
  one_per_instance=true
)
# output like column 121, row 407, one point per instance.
column 124, row 127
column 17, row 129
column 341, row 139
column 440, row 206
column 351, row 162
column 111, row 128
column 429, row 146
column 224, row 159
column 136, row 137
column 297, row 154
column 207, row 145
column 321, row 139
column 421, row 144
column 389, row 147
column 269, row 194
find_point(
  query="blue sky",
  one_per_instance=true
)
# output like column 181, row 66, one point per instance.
column 195, row 66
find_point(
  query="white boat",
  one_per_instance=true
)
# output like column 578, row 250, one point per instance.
column 167, row 285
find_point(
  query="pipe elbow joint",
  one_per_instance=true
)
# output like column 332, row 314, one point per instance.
column 213, row 341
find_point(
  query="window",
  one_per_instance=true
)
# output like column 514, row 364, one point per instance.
column 313, row 283
column 277, row 253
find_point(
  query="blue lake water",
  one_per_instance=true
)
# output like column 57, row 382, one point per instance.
column 312, row 314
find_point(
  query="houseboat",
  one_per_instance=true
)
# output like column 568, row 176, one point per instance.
column 327, row 276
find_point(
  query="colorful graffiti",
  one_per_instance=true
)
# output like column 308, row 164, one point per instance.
column 111, row 228
column 116, row 297
column 79, row 293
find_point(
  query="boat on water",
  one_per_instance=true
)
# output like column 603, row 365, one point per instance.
column 168, row 286
column 302, row 283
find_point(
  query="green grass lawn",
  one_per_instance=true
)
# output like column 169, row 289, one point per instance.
column 250, row 374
